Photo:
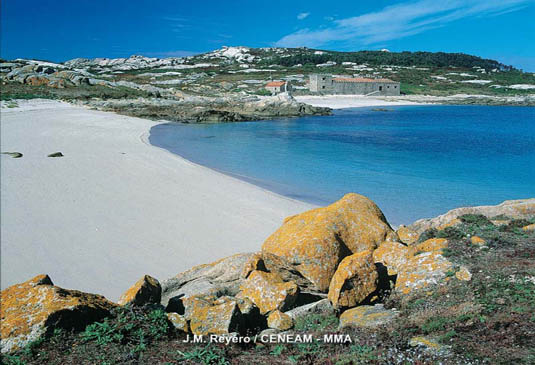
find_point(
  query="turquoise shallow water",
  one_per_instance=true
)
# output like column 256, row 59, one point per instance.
column 413, row 161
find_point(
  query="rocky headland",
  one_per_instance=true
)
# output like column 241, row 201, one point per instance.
column 425, row 292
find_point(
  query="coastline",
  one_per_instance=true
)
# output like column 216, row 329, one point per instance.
column 114, row 208
column 353, row 101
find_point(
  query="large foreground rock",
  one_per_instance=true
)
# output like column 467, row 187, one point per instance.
column 316, row 241
column 36, row 307
column 354, row 279
column 367, row 316
column 523, row 208
column 222, row 277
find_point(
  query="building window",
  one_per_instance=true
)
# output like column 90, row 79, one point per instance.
column 323, row 87
column 323, row 78
column 388, row 87
column 380, row 88
column 395, row 87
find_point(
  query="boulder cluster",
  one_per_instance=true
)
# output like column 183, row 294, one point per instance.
column 343, row 259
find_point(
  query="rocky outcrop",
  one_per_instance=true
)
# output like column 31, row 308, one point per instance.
column 407, row 235
column 421, row 271
column 393, row 255
column 268, row 291
column 523, row 208
column 279, row 321
column 208, row 315
column 354, row 279
column 222, row 277
column 36, row 307
column 178, row 321
column 367, row 316
column 147, row 290
column 316, row 241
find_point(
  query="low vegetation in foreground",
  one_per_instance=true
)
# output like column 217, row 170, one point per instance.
column 489, row 319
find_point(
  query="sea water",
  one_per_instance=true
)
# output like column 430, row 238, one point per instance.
column 413, row 161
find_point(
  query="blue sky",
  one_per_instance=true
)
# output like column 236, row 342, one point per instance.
column 59, row 30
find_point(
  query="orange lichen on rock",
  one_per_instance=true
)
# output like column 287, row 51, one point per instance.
column 476, row 240
column 179, row 322
column 354, row 279
column 367, row 316
column 430, row 245
column 280, row 321
column 407, row 235
column 529, row 228
column 254, row 263
column 37, row 306
column 452, row 223
column 268, row 291
column 393, row 255
column 146, row 290
column 463, row 274
column 316, row 241
column 422, row 270
column 221, row 317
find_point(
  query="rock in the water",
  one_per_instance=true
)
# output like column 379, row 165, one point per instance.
column 323, row 306
column 316, row 241
column 367, row 316
column 280, row 321
column 354, row 279
column 179, row 322
column 36, row 307
column 218, row 318
column 407, row 235
column 523, row 208
column 13, row 154
column 268, row 291
column 393, row 255
column 421, row 271
column 222, row 277
column 146, row 290
column 56, row 154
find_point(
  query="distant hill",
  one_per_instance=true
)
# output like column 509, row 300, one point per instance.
column 305, row 56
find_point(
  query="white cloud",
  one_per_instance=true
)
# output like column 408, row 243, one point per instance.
column 398, row 21
column 302, row 16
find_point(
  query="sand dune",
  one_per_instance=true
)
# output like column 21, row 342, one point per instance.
column 114, row 207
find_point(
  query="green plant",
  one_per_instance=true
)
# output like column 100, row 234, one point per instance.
column 278, row 349
column 208, row 355
column 316, row 322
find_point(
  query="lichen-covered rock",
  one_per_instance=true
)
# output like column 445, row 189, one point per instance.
column 407, row 235
column 146, row 290
column 393, row 255
column 523, row 208
column 430, row 245
column 280, row 266
column 268, row 291
column 280, row 321
column 254, row 262
column 476, row 240
column 322, row 306
column 222, row 277
column 463, row 274
column 422, row 270
column 220, row 318
column 316, row 241
column 529, row 228
column 367, row 316
column 179, row 322
column 429, row 344
column 36, row 307
column 354, row 279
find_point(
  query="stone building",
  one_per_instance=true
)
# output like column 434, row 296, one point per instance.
column 326, row 84
column 278, row 87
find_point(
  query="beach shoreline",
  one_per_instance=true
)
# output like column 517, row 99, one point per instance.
column 115, row 208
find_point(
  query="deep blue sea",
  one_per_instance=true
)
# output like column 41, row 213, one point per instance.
column 413, row 161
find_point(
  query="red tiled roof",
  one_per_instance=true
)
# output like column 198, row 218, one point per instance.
column 275, row 83
column 360, row 79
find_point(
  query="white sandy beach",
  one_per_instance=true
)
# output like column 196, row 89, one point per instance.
column 353, row 101
column 114, row 207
